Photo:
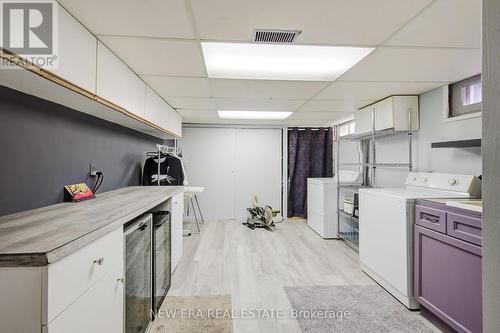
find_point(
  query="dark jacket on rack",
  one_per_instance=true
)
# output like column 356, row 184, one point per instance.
column 170, row 172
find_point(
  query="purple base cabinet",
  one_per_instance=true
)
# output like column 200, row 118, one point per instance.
column 448, row 268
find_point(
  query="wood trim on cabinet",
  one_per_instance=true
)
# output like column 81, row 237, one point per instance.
column 26, row 64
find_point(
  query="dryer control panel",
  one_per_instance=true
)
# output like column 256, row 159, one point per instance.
column 445, row 181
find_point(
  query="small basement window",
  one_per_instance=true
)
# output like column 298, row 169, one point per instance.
column 346, row 128
column 465, row 98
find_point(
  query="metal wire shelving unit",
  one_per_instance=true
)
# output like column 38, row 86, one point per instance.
column 348, row 225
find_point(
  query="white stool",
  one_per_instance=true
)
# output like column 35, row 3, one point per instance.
column 190, row 193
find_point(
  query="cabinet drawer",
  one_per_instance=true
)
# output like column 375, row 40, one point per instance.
column 464, row 227
column 431, row 218
column 99, row 309
column 71, row 276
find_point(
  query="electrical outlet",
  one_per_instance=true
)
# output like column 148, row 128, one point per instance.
column 92, row 170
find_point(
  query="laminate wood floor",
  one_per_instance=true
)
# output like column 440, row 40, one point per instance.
column 253, row 266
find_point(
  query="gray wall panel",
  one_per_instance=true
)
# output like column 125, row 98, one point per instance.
column 491, row 165
column 44, row 146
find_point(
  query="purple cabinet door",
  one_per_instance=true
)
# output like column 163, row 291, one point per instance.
column 448, row 279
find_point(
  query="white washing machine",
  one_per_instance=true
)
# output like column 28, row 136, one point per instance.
column 322, row 214
column 386, row 218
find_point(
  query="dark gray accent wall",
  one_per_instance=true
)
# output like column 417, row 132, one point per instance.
column 491, row 166
column 44, row 146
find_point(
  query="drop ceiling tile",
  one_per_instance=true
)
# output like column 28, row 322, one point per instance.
column 416, row 64
column 195, row 103
column 451, row 23
column 156, row 18
column 178, row 86
column 334, row 105
column 374, row 90
column 308, row 123
column 204, row 114
column 153, row 56
column 265, row 88
column 352, row 22
column 320, row 116
column 234, row 122
column 245, row 104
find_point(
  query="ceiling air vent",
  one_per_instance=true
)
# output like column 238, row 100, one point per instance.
column 275, row 36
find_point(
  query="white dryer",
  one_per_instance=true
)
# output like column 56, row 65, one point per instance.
column 386, row 218
column 322, row 214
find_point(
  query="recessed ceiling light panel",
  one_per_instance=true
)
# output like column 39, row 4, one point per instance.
column 254, row 115
column 279, row 61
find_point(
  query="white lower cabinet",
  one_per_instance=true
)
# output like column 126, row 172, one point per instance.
column 84, row 291
column 71, row 276
column 99, row 309
column 176, row 228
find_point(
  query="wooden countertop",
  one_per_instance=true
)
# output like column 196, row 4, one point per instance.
column 42, row 236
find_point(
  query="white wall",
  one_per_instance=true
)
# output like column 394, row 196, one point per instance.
column 425, row 158
column 433, row 129
column 232, row 164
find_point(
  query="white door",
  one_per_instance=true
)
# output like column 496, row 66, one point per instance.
column 232, row 164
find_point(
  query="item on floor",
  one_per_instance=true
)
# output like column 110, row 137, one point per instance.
column 163, row 167
column 386, row 222
column 204, row 323
column 77, row 192
column 349, row 206
column 262, row 217
column 190, row 194
column 186, row 233
column 354, row 309
column 322, row 215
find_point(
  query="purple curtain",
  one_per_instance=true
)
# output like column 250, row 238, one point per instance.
column 310, row 155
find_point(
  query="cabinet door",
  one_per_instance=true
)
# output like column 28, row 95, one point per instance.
column 363, row 120
column 384, row 115
column 100, row 309
column 157, row 110
column 77, row 52
column 401, row 106
column 448, row 279
column 175, row 123
column 177, row 228
column 118, row 84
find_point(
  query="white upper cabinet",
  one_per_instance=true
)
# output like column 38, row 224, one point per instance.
column 390, row 113
column 118, row 84
column 160, row 113
column 157, row 110
column 77, row 52
column 175, row 121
